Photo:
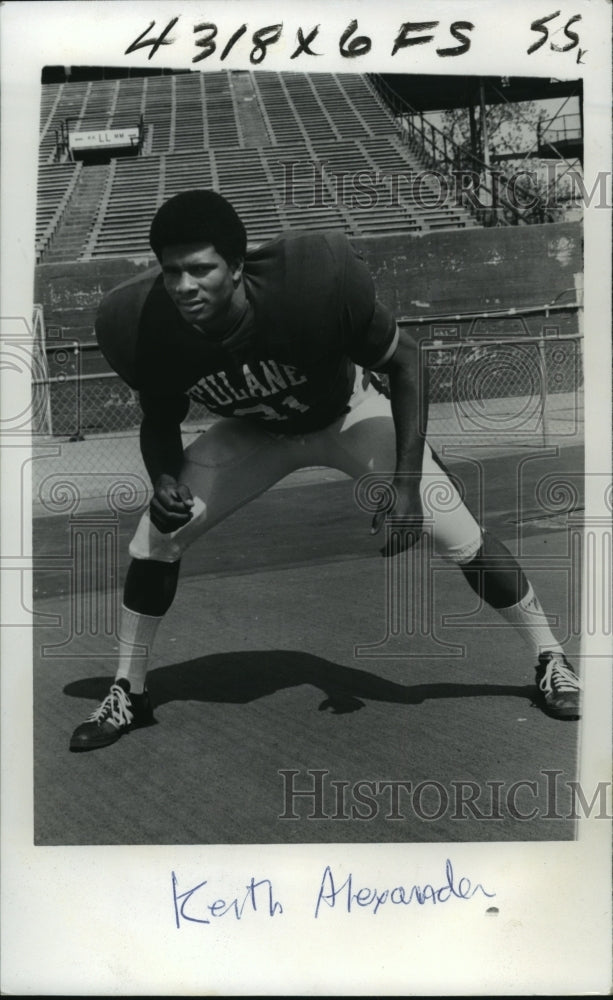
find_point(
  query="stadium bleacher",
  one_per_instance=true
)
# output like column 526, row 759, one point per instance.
column 288, row 149
column 122, row 226
column 130, row 103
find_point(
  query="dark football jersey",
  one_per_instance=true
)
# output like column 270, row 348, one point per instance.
column 289, row 361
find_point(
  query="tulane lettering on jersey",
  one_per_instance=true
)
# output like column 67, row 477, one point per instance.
column 240, row 391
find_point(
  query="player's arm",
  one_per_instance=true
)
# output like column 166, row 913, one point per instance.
column 162, row 450
column 409, row 401
column 118, row 321
column 375, row 341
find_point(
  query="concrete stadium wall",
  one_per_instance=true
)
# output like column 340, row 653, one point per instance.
column 468, row 270
column 444, row 272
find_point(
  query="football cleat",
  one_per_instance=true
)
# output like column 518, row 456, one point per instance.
column 117, row 714
column 559, row 688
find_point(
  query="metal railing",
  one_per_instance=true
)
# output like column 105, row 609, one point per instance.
column 490, row 196
column 558, row 129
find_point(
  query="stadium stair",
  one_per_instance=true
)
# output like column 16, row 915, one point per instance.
column 55, row 185
column 252, row 124
column 72, row 233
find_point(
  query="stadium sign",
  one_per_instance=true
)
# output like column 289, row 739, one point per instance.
column 103, row 139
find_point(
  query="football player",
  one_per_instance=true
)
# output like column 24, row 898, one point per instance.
column 280, row 344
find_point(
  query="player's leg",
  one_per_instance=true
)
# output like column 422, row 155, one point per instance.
column 497, row 578
column 225, row 468
column 364, row 441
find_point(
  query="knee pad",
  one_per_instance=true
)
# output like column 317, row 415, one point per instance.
column 495, row 575
column 150, row 586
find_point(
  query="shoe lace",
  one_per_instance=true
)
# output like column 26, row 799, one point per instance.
column 559, row 676
column 116, row 708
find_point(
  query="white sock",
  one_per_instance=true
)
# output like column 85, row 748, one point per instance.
column 136, row 635
column 532, row 624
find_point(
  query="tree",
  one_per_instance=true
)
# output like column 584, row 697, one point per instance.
column 511, row 128
column 513, row 133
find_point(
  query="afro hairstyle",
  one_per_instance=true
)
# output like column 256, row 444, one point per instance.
column 199, row 217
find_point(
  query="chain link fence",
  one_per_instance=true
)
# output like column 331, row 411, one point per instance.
column 505, row 392
column 85, row 405
column 500, row 393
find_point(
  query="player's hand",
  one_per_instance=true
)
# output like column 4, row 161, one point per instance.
column 407, row 514
column 171, row 506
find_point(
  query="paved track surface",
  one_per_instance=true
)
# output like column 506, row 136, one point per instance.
column 255, row 674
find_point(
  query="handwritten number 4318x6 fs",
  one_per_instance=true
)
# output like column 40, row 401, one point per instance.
column 351, row 45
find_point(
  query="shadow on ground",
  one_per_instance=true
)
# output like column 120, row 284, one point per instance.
column 245, row 676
